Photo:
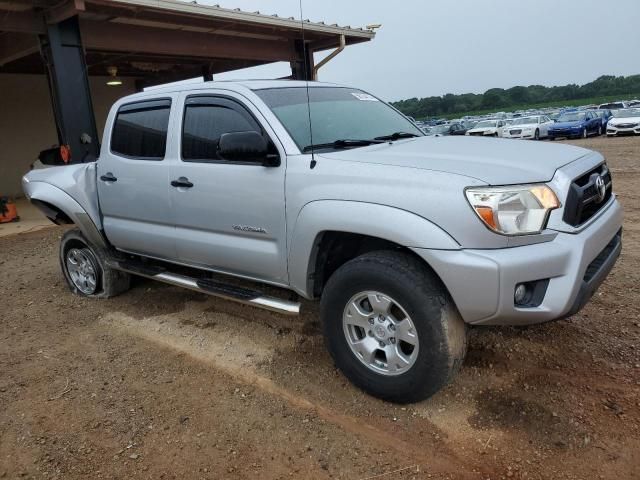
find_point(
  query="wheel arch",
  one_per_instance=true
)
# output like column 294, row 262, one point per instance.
column 328, row 233
column 59, row 207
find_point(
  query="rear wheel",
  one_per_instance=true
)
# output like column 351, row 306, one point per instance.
column 86, row 270
column 391, row 326
column 600, row 130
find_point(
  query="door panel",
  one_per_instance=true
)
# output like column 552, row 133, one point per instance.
column 133, row 180
column 233, row 217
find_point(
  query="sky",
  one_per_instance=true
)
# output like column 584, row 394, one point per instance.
column 428, row 47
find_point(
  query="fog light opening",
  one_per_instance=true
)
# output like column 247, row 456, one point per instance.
column 530, row 294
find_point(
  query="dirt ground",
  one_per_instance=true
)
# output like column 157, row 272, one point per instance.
column 164, row 383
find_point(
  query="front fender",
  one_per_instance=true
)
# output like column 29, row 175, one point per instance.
column 51, row 195
column 380, row 221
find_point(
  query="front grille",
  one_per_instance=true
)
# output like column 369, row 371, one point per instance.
column 584, row 198
column 626, row 125
column 515, row 132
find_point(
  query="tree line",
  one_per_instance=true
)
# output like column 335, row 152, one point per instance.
column 499, row 98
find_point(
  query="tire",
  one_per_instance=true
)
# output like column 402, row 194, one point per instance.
column 585, row 134
column 600, row 130
column 536, row 135
column 552, row 139
column 75, row 254
column 495, row 135
column 439, row 342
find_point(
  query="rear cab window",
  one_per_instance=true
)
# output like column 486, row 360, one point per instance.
column 140, row 130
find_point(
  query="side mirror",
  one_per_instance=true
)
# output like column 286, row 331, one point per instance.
column 246, row 147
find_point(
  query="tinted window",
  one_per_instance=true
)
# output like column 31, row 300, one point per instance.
column 205, row 120
column 140, row 130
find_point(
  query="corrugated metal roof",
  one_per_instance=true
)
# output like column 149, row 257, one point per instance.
column 215, row 11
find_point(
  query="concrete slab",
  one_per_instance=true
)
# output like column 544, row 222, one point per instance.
column 31, row 219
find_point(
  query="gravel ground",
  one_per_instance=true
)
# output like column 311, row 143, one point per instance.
column 166, row 383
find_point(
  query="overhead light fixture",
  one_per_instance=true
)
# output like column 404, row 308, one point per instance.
column 114, row 80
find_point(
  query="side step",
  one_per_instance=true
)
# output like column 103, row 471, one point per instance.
column 210, row 287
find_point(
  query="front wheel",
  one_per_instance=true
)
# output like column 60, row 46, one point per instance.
column 391, row 327
column 600, row 130
column 85, row 268
column 585, row 134
column 536, row 136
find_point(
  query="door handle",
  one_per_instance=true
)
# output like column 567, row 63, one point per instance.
column 182, row 182
column 108, row 177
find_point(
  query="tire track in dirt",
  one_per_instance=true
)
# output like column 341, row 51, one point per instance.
column 233, row 363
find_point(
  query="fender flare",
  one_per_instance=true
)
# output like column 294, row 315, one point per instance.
column 381, row 221
column 49, row 194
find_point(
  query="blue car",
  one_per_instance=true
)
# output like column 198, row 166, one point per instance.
column 576, row 125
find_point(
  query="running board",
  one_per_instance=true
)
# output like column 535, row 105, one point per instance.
column 210, row 287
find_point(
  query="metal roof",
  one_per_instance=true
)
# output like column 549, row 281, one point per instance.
column 194, row 8
column 159, row 41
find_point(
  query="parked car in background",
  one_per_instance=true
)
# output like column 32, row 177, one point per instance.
column 534, row 127
column 604, row 114
column 624, row 122
column 448, row 129
column 576, row 125
column 634, row 104
column 487, row 128
column 613, row 106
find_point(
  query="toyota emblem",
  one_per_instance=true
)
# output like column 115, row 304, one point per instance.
column 601, row 188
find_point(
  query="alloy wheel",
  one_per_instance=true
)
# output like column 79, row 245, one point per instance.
column 380, row 333
column 82, row 270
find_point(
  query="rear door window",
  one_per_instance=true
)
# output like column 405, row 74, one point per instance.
column 140, row 130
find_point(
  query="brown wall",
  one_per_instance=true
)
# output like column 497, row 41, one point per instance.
column 27, row 126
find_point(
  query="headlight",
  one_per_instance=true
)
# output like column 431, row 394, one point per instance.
column 513, row 210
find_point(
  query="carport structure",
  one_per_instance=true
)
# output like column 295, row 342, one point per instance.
column 149, row 42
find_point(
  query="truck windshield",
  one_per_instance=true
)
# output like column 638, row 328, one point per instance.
column 336, row 114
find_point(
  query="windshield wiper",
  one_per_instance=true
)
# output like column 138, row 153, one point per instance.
column 397, row 136
column 342, row 143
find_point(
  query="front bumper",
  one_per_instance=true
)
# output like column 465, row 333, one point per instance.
column 482, row 282
column 523, row 135
column 614, row 131
column 568, row 133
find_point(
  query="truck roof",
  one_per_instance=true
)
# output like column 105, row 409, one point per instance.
column 235, row 85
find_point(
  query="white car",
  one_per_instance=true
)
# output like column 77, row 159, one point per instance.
column 487, row 128
column 534, row 127
column 624, row 122
column 613, row 106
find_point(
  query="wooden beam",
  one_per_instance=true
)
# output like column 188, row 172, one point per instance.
column 17, row 45
column 115, row 37
column 65, row 10
column 21, row 22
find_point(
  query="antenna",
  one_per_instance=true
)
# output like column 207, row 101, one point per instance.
column 306, row 71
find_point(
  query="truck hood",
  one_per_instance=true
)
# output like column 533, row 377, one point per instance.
column 492, row 161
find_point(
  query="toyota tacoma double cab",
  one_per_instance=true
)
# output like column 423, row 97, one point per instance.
column 328, row 193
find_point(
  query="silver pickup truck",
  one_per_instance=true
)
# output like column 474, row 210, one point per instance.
column 332, row 194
